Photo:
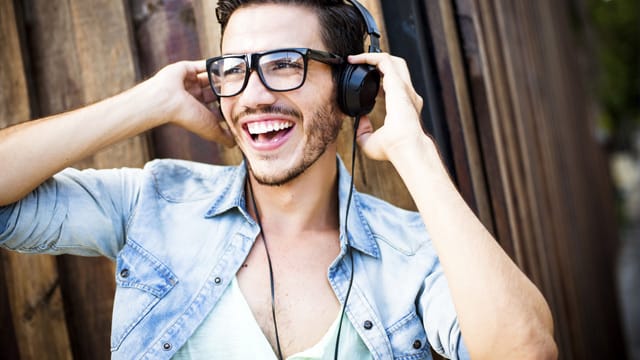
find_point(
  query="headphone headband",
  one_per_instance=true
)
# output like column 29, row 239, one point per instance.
column 372, row 28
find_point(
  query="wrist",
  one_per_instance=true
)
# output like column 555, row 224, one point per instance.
column 418, row 149
column 153, row 103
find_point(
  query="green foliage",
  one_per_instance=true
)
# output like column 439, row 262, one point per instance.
column 617, row 27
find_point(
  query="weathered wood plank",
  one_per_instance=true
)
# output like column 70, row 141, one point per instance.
column 209, row 34
column 8, row 340
column 529, row 107
column 81, row 52
column 31, row 303
column 14, row 97
column 375, row 177
column 457, row 111
column 158, row 47
column 523, row 183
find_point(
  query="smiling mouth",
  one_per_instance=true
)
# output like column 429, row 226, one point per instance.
column 268, row 131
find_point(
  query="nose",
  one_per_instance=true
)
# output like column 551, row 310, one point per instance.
column 255, row 94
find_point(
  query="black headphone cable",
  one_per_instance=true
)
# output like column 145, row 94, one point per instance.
column 356, row 122
column 348, row 247
column 271, row 281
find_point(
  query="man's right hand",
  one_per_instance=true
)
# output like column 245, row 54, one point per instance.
column 33, row 151
column 189, row 100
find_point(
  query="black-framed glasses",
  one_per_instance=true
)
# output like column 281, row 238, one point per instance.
column 279, row 70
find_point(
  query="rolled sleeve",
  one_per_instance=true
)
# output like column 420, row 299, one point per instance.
column 5, row 213
column 74, row 212
column 440, row 318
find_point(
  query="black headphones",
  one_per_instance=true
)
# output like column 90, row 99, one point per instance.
column 358, row 84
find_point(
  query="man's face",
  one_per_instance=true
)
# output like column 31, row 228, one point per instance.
column 281, row 133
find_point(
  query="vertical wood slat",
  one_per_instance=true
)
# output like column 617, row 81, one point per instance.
column 378, row 178
column 592, row 236
column 81, row 53
column 457, row 109
column 524, row 82
column 531, row 83
column 500, row 117
column 493, row 155
column 530, row 113
column 209, row 34
column 166, row 32
column 8, row 340
column 465, row 113
column 34, row 303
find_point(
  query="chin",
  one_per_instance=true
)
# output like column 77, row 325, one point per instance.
column 278, row 179
column 275, row 173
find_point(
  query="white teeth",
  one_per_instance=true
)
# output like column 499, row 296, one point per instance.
column 256, row 128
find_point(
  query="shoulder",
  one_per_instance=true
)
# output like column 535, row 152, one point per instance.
column 402, row 230
column 182, row 180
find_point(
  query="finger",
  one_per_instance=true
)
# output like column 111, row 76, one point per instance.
column 212, row 129
column 198, row 66
column 387, row 64
column 208, row 96
column 395, row 72
column 203, row 79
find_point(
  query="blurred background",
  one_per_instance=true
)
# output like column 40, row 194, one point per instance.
column 535, row 106
column 612, row 35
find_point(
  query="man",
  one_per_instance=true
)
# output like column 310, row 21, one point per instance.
column 256, row 261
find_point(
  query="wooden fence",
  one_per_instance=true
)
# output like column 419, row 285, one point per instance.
column 516, row 119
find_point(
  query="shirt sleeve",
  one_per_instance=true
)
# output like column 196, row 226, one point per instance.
column 74, row 212
column 440, row 318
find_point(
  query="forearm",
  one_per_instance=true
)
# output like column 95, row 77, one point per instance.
column 33, row 151
column 501, row 312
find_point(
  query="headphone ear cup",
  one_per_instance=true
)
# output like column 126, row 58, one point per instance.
column 358, row 89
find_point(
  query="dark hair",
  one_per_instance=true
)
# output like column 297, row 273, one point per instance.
column 343, row 29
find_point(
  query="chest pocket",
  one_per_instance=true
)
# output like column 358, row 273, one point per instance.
column 141, row 281
column 408, row 339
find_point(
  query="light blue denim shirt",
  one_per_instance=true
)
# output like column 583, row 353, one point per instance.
column 179, row 231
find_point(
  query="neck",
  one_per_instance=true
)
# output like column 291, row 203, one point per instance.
column 307, row 203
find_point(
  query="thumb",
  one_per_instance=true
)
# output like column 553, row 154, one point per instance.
column 368, row 140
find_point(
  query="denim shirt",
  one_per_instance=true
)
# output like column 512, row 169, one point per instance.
column 179, row 231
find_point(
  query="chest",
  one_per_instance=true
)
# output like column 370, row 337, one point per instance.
column 303, row 301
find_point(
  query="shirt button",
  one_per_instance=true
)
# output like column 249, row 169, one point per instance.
column 166, row 346
column 368, row 325
column 417, row 344
column 124, row 273
column 217, row 280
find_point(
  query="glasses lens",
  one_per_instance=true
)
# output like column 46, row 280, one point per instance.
column 227, row 75
column 282, row 70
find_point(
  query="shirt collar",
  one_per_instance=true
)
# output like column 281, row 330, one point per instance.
column 361, row 238
column 230, row 194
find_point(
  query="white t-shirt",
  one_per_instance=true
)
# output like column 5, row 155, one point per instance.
column 231, row 332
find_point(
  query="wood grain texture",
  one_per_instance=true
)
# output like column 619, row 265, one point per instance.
column 81, row 52
column 545, row 172
column 166, row 32
column 209, row 33
column 378, row 178
column 31, row 307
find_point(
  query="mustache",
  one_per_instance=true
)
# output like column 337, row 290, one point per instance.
column 269, row 109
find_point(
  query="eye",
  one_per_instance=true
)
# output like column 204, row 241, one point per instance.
column 287, row 64
column 282, row 62
column 236, row 70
